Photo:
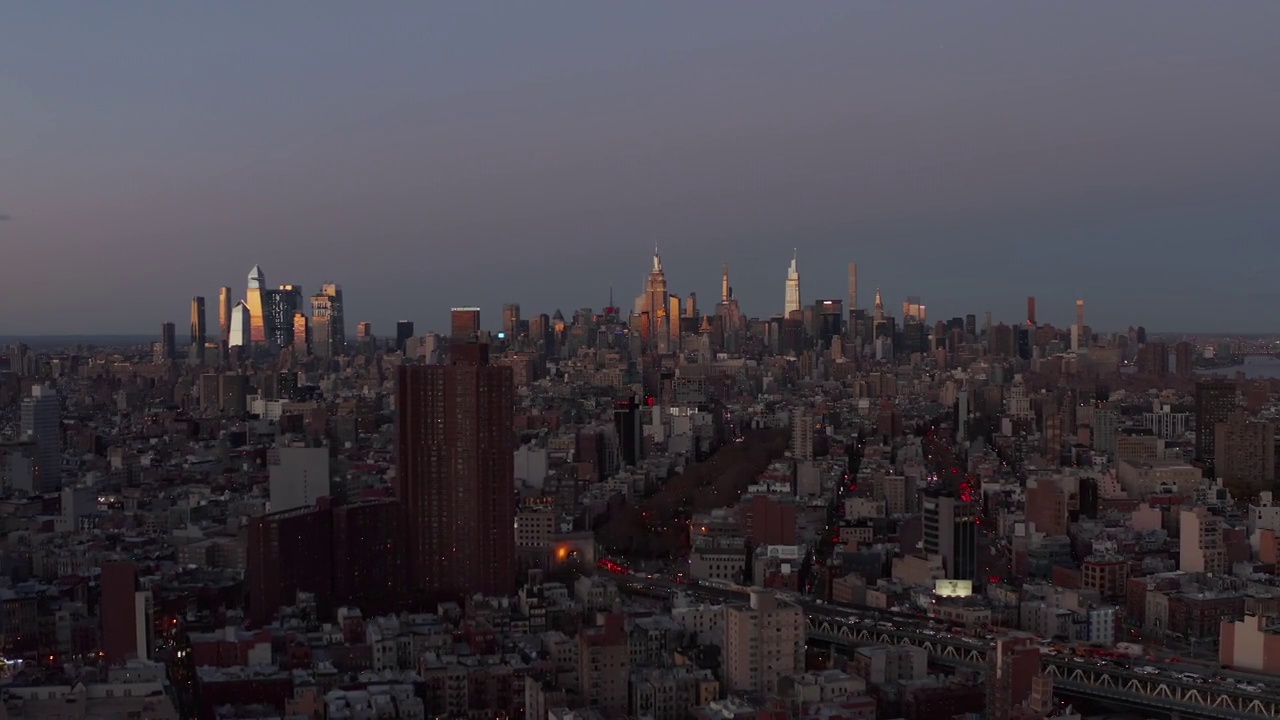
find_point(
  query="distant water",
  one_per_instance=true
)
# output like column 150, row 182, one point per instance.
column 1255, row 366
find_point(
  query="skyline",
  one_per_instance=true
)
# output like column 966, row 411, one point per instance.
column 426, row 158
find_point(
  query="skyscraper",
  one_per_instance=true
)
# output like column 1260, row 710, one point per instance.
column 511, row 321
column 169, row 341
column 792, row 302
column 1031, row 310
column 328, row 331
column 464, row 324
column 853, row 288
column 653, row 302
column 42, row 424
column 255, row 299
column 301, row 334
column 281, row 306
column 404, row 331
column 198, row 335
column 455, row 473
column 224, row 314
column 950, row 531
column 241, row 332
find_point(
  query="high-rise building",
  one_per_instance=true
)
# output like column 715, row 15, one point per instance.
column 950, row 531
column 726, row 292
column 511, row 321
column 169, row 341
column 255, row 299
column 282, row 305
column 464, row 324
column 853, row 287
column 1200, row 544
column 41, row 418
column 241, row 333
column 1244, row 454
column 328, row 322
column 455, row 475
column 301, row 334
column 128, row 630
column 653, row 306
column 1031, row 310
column 224, row 314
column 802, row 427
column 404, row 331
column 364, row 330
column 764, row 642
column 198, row 332
column 1215, row 401
column 792, row 302
column 626, row 423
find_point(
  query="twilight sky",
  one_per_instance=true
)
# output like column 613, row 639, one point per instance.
column 474, row 153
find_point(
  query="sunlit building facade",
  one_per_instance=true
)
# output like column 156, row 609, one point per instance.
column 256, row 301
column 328, row 334
column 198, row 337
column 240, row 334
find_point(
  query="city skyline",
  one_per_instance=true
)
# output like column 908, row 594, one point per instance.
column 427, row 158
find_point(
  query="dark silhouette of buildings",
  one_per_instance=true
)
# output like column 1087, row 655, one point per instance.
column 455, row 475
column 1215, row 400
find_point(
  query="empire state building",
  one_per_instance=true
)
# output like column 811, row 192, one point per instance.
column 653, row 302
column 792, row 303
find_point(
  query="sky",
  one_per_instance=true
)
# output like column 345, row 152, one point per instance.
column 428, row 155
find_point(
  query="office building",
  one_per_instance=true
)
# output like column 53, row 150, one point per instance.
column 1215, row 401
column 404, row 331
column 301, row 334
column 792, row 302
column 41, row 418
column 764, row 642
column 853, row 288
column 198, row 332
column 802, row 427
column 282, row 306
column 950, row 530
column 168, row 341
column 511, row 321
column 328, row 323
column 255, row 299
column 455, row 475
column 241, row 332
column 464, row 324
column 224, row 315
column 1031, row 310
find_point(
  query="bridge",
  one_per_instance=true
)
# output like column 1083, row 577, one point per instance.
column 1163, row 693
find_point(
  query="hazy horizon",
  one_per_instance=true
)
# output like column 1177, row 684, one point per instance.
column 433, row 156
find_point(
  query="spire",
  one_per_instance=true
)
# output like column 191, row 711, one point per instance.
column 725, row 291
column 657, row 260
column 879, row 302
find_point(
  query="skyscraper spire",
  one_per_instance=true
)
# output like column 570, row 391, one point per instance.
column 792, row 303
column 725, row 291
column 657, row 259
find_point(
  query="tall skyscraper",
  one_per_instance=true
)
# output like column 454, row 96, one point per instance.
column 455, row 475
column 282, row 304
column 169, row 341
column 626, row 423
column 792, row 303
column 511, row 321
column 853, row 287
column 464, row 324
column 224, row 314
column 1078, row 339
column 255, row 299
column 1031, row 310
column 879, row 308
column 726, row 292
column 198, row 333
column 328, row 324
column 301, row 334
column 241, row 332
column 41, row 418
column 404, row 331
column 654, row 304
